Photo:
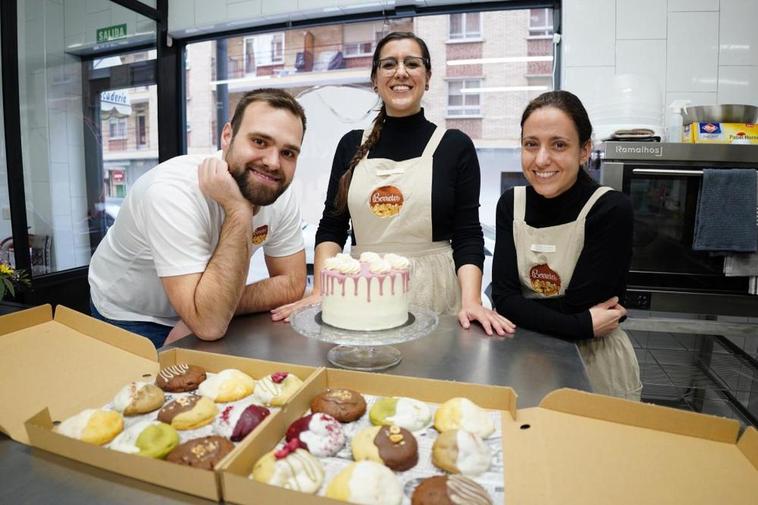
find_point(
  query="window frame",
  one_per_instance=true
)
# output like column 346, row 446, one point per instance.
column 273, row 62
column 547, row 28
column 450, row 109
column 464, row 36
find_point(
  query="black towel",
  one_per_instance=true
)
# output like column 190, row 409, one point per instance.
column 726, row 211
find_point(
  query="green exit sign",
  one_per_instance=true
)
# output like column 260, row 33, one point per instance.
column 111, row 33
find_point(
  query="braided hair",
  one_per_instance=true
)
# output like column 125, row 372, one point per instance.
column 376, row 131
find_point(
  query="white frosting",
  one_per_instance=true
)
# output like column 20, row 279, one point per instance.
column 397, row 262
column 343, row 263
column 411, row 414
column 74, row 426
column 211, row 387
column 369, row 257
column 474, row 456
column 475, row 419
column 374, row 484
column 324, row 437
column 127, row 440
column 379, row 266
column 224, row 425
column 266, row 389
column 125, row 397
column 299, row 471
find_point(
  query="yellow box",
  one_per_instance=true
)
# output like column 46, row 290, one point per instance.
column 720, row 133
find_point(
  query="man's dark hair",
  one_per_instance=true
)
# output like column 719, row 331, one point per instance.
column 276, row 98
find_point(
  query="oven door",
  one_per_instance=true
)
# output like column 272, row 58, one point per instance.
column 664, row 198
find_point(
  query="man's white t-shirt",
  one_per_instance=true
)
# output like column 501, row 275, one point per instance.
column 167, row 227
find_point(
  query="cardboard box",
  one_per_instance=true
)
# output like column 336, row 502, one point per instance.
column 575, row 448
column 54, row 368
column 720, row 133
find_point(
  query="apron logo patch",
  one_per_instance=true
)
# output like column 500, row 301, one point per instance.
column 544, row 280
column 260, row 234
column 386, row 201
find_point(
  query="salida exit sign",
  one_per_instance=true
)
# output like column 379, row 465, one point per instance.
column 111, row 33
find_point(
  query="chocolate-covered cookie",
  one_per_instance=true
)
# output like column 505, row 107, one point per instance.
column 236, row 421
column 393, row 446
column 202, row 453
column 188, row 412
column 180, row 378
column 449, row 490
column 345, row 405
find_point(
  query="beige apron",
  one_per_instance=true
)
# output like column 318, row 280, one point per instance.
column 390, row 206
column 546, row 260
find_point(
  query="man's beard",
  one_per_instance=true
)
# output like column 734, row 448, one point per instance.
column 257, row 194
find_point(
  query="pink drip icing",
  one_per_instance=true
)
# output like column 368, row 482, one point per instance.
column 368, row 289
column 342, row 283
column 381, row 285
column 392, row 284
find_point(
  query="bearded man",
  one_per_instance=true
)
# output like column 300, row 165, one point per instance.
column 180, row 248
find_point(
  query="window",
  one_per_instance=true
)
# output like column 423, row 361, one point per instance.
column 264, row 49
column 117, row 128
column 359, row 48
column 540, row 22
column 141, row 130
column 359, row 39
column 460, row 103
column 467, row 25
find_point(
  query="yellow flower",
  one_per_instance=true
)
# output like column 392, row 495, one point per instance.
column 5, row 269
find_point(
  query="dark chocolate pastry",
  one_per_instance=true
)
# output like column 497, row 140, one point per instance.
column 397, row 448
column 180, row 378
column 202, row 453
column 176, row 407
column 345, row 405
column 449, row 490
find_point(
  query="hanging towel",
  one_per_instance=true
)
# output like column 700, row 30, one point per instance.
column 726, row 207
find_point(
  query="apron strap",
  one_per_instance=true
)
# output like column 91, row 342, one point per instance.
column 519, row 203
column 434, row 141
column 594, row 198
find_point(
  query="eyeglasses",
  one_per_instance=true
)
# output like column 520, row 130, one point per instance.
column 389, row 66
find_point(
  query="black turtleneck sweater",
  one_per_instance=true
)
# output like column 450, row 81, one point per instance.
column 600, row 272
column 455, row 184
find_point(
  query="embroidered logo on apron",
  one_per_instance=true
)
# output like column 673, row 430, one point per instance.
column 260, row 234
column 544, row 280
column 386, row 201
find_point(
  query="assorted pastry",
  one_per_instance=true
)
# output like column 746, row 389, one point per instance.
column 276, row 389
column 338, row 429
column 153, row 439
column 227, row 386
column 204, row 452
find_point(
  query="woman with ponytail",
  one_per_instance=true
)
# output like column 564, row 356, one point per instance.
column 409, row 187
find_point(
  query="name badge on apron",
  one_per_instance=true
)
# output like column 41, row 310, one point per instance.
column 542, row 248
column 386, row 201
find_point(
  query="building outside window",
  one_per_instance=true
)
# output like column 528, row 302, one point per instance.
column 264, row 49
column 117, row 128
column 467, row 25
column 460, row 103
column 540, row 22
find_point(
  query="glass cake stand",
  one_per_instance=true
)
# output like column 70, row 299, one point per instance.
column 363, row 350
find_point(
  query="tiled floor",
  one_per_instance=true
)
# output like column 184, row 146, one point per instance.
column 695, row 372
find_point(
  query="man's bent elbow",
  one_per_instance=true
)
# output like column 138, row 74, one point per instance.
column 211, row 332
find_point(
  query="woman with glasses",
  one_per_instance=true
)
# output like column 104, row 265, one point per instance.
column 564, row 246
column 409, row 187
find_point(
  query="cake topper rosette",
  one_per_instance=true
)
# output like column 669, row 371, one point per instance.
column 364, row 350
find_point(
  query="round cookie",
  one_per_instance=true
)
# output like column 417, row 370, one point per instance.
column 180, row 378
column 458, row 451
column 94, row 426
column 449, row 490
column 462, row 413
column 276, row 389
column 320, row 434
column 407, row 413
column 345, row 405
column 138, row 398
column 236, row 421
column 393, row 446
column 153, row 439
column 227, row 386
column 366, row 482
column 188, row 412
column 203, row 453
column 291, row 468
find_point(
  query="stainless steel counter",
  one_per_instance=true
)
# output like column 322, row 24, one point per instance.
column 531, row 363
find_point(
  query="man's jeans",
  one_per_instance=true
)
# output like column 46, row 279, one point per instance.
column 157, row 333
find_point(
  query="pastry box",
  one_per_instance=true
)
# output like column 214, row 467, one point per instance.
column 574, row 448
column 55, row 367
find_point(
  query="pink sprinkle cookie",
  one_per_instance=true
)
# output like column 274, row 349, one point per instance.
column 320, row 434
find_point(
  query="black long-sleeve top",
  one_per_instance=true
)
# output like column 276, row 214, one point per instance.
column 600, row 272
column 455, row 184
